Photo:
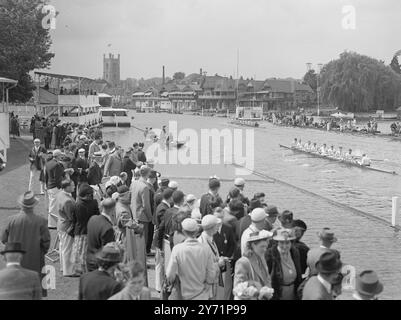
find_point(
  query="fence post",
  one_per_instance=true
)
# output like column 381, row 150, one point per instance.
column 395, row 210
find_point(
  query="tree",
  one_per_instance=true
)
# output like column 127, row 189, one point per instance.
column 395, row 65
column 24, row 44
column 179, row 76
column 310, row 79
column 360, row 83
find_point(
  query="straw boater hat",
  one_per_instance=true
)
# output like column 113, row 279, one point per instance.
column 190, row 225
column 28, row 200
column 258, row 215
column 284, row 235
column 367, row 283
column 239, row 182
column 210, row 221
column 260, row 235
column 327, row 235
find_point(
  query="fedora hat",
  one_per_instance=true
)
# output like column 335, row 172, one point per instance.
column 329, row 262
column 109, row 253
column 367, row 283
column 12, row 247
column 327, row 235
column 284, row 235
column 28, row 200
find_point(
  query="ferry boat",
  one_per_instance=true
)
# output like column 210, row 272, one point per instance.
column 248, row 116
column 70, row 99
column 113, row 117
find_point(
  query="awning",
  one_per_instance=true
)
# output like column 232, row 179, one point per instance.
column 138, row 94
column 104, row 95
column 6, row 80
column 61, row 76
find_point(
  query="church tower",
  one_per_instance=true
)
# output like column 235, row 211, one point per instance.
column 111, row 69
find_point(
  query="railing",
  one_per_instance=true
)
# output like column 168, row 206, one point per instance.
column 82, row 119
column 78, row 100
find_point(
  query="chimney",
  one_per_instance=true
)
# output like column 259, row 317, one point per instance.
column 164, row 75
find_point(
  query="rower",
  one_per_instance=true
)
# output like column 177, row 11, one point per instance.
column 308, row 146
column 339, row 153
column 365, row 161
column 299, row 145
column 323, row 150
column 313, row 148
column 348, row 156
column 331, row 152
column 294, row 143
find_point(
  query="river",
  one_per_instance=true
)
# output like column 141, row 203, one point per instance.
column 326, row 192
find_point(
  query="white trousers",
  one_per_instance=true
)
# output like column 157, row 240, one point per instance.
column 52, row 208
column 159, row 270
column 34, row 176
column 66, row 254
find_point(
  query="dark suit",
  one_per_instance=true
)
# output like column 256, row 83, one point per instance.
column 208, row 203
column 97, row 285
column 54, row 174
column 225, row 241
column 77, row 164
column 273, row 260
column 17, row 283
column 128, row 166
column 314, row 290
column 100, row 233
column 37, row 162
column 166, row 226
column 158, row 218
column 141, row 156
column 303, row 254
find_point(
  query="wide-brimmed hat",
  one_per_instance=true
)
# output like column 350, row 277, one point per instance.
column 329, row 262
column 12, row 247
column 109, row 253
column 28, row 200
column 284, row 235
column 327, row 235
column 259, row 235
column 367, row 283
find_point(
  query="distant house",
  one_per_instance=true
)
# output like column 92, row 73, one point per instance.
column 218, row 93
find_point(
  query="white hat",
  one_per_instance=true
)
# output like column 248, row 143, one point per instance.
column 81, row 150
column 190, row 225
column 259, row 236
column 173, row 185
column 239, row 182
column 258, row 215
column 190, row 198
column 209, row 221
column 36, row 140
column 57, row 153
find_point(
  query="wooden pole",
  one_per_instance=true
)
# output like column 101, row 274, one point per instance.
column 395, row 210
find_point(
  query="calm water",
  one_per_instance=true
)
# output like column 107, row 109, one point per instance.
column 364, row 242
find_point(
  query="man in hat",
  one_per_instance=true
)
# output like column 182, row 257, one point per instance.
column 211, row 200
column 159, row 193
column 327, row 239
column 367, row 287
column 95, row 172
column 31, row 231
column 141, row 206
column 53, row 176
column 151, row 181
column 240, row 184
column 320, row 286
column 100, row 231
column 245, row 221
column 192, row 263
column 173, row 185
column 114, row 164
column 94, row 146
column 141, row 154
column 36, row 157
column 81, row 168
column 258, row 222
column 210, row 223
column 16, row 282
column 226, row 244
column 99, row 284
column 66, row 208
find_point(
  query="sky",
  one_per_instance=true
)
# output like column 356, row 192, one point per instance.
column 275, row 38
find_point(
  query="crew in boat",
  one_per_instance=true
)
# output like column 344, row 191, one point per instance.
column 323, row 150
column 313, row 148
column 365, row 161
column 331, row 152
column 339, row 153
column 294, row 143
column 299, row 145
column 308, row 146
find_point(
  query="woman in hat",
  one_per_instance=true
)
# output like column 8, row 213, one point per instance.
column 252, row 280
column 284, row 265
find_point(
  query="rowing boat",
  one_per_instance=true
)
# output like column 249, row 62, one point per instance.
column 338, row 160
